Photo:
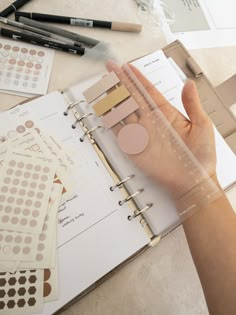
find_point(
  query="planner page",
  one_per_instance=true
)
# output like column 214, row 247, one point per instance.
column 94, row 233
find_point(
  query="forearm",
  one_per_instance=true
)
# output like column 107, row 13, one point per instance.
column 211, row 235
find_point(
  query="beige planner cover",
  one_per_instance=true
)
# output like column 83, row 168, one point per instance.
column 216, row 101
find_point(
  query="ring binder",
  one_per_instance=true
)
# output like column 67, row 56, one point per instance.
column 80, row 119
column 138, row 213
column 72, row 105
column 121, row 182
column 88, row 132
column 139, row 191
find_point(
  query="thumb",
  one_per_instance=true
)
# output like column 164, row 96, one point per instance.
column 192, row 104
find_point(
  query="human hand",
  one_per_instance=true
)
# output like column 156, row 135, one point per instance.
column 159, row 160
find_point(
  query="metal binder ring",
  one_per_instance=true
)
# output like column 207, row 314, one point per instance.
column 71, row 106
column 81, row 118
column 123, row 181
column 148, row 206
column 139, row 191
column 88, row 132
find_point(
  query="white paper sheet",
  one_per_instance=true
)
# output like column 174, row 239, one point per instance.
column 201, row 23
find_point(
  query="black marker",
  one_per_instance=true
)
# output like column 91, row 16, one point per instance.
column 37, row 40
column 13, row 7
column 114, row 26
column 59, row 31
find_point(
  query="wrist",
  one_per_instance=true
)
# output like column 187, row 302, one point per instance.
column 198, row 196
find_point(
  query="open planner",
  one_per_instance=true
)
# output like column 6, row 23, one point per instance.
column 111, row 210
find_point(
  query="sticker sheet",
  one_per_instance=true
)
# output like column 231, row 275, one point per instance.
column 46, row 238
column 26, row 183
column 25, row 69
column 18, row 246
column 21, row 293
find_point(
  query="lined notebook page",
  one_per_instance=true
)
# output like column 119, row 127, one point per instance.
column 94, row 234
column 163, row 216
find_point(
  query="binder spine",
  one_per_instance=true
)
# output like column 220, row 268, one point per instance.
column 122, row 182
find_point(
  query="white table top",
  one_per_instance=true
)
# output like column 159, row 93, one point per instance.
column 163, row 280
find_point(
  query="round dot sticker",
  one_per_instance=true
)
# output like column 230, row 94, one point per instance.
column 26, row 174
column 20, row 129
column 42, row 186
column 2, row 198
column 41, row 247
column 28, row 202
column 28, row 240
column 33, row 185
column 35, row 213
column 23, row 221
column 18, row 239
column 8, row 209
column 5, row 218
column 26, row 212
column 39, row 195
column 16, row 181
column 26, row 250
column 7, row 180
column 4, row 189
column 20, row 164
column 17, row 210
column 46, row 169
column 37, row 204
column 16, row 249
column 37, row 168
column 22, row 192
column 29, row 124
column 133, row 139
column 44, row 178
column 30, row 193
column 33, row 223
column 18, row 173
column 24, row 183
column 29, row 166
column 9, row 171
column 35, row 176
column 39, row 257
column 42, row 237
column 9, row 238
column 14, row 220
column 10, row 199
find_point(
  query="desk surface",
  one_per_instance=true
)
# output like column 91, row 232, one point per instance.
column 163, row 280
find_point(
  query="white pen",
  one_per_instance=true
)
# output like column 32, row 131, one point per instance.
column 39, row 31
